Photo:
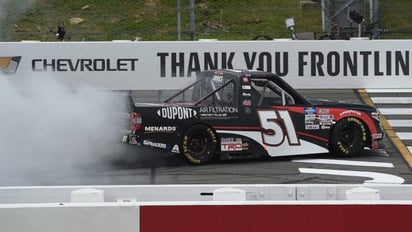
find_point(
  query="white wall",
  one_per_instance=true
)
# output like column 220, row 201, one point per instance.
column 171, row 65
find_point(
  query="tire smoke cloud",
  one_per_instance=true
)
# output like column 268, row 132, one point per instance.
column 49, row 130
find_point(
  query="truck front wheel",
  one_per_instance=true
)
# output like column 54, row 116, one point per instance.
column 349, row 137
column 199, row 144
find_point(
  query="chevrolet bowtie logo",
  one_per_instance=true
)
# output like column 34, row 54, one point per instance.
column 8, row 65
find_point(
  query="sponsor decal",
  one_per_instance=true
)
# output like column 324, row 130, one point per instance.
column 324, row 127
column 217, row 79
column 218, row 111
column 246, row 94
column 350, row 112
column 326, row 117
column 83, row 65
column 231, row 144
column 175, row 149
column 133, row 140
column 324, row 121
column 159, row 129
column 150, row 143
column 310, row 110
column 311, row 119
column 312, row 127
column 377, row 136
column 247, row 102
column 177, row 112
column 246, row 87
column 323, row 111
column 9, row 65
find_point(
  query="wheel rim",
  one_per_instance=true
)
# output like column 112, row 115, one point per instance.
column 350, row 135
column 198, row 145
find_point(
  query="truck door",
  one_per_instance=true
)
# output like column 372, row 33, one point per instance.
column 277, row 117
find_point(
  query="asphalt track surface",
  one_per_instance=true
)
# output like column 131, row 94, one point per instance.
column 131, row 165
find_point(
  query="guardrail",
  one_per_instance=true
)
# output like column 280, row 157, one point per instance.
column 195, row 192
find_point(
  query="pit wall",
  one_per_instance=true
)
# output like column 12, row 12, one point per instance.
column 206, row 208
column 146, row 65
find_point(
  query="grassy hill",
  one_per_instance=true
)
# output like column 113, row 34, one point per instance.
column 157, row 20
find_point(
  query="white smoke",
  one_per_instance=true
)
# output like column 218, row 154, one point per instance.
column 48, row 129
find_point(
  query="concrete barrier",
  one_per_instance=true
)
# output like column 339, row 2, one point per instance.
column 201, row 208
column 65, row 217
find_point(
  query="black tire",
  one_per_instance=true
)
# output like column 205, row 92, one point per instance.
column 348, row 137
column 199, row 144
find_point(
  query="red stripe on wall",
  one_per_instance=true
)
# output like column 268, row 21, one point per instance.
column 259, row 218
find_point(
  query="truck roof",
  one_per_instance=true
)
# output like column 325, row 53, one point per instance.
column 258, row 74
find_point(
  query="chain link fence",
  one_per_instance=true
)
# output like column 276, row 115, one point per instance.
column 96, row 20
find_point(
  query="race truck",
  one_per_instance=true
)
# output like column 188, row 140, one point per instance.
column 237, row 114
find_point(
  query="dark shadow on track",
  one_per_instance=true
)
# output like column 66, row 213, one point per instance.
column 142, row 157
column 136, row 157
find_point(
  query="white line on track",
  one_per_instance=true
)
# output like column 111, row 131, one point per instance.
column 345, row 162
column 389, row 90
column 396, row 111
column 400, row 123
column 392, row 100
column 404, row 135
column 410, row 149
column 376, row 177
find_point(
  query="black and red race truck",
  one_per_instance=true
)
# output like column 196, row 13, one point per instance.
column 234, row 114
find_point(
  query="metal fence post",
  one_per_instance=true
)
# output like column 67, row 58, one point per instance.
column 192, row 20
column 179, row 19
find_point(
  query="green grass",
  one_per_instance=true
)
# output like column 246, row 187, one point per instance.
column 156, row 19
column 396, row 17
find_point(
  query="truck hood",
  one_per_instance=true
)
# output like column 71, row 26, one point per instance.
column 339, row 104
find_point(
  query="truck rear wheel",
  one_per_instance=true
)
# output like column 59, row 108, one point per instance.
column 199, row 144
